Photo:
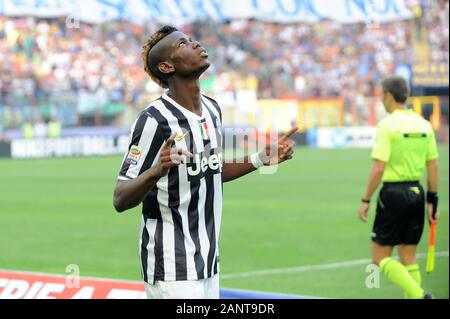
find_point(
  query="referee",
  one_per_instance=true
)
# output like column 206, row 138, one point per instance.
column 405, row 147
column 174, row 167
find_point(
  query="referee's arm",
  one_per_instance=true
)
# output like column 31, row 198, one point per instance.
column 432, row 175
column 375, row 176
column 432, row 186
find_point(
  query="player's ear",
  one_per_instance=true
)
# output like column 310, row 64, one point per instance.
column 166, row 67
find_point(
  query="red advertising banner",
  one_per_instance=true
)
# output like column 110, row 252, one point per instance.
column 28, row 285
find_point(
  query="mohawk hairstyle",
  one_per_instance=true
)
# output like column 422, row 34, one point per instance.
column 152, row 70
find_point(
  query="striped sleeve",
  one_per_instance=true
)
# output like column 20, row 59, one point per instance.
column 145, row 144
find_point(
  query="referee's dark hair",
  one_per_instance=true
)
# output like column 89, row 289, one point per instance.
column 397, row 86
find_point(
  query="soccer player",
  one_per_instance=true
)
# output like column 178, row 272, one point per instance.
column 405, row 147
column 174, row 167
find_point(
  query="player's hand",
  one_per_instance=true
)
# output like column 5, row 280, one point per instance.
column 171, row 157
column 363, row 211
column 281, row 151
column 430, row 214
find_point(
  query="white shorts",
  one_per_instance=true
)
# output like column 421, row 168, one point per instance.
column 207, row 288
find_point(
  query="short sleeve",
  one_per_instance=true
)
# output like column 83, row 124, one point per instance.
column 432, row 151
column 382, row 148
column 145, row 144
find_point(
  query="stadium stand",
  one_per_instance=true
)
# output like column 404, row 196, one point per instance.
column 92, row 75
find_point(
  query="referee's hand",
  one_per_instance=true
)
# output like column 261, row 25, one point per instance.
column 363, row 212
column 430, row 214
column 171, row 157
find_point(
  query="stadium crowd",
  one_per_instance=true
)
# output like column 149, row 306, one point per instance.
column 47, row 66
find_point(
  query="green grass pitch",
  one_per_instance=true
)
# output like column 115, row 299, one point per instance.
column 57, row 212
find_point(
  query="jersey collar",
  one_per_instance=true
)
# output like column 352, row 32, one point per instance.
column 186, row 112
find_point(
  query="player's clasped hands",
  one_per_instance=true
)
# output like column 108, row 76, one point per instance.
column 171, row 157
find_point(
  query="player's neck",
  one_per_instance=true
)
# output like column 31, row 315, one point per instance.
column 187, row 94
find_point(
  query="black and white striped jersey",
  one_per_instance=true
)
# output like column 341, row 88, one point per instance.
column 181, row 215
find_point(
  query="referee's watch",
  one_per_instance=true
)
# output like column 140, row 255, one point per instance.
column 367, row 201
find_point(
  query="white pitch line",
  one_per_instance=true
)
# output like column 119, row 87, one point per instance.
column 341, row 264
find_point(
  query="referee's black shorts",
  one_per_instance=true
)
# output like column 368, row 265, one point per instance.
column 400, row 214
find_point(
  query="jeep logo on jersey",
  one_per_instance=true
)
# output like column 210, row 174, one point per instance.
column 201, row 165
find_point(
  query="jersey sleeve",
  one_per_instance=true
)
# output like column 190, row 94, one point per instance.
column 432, row 151
column 144, row 147
column 382, row 148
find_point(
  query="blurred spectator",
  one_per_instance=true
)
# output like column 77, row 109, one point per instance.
column 49, row 71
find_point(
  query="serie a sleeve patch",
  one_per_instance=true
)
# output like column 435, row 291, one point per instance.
column 134, row 155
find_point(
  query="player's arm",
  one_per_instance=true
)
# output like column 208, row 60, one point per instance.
column 432, row 189
column 231, row 171
column 272, row 154
column 374, row 180
column 130, row 193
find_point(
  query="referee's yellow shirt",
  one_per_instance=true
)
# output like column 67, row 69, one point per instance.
column 405, row 141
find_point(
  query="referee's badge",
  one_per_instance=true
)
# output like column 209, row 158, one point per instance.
column 134, row 154
column 204, row 130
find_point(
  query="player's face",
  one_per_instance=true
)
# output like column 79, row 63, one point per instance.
column 187, row 56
